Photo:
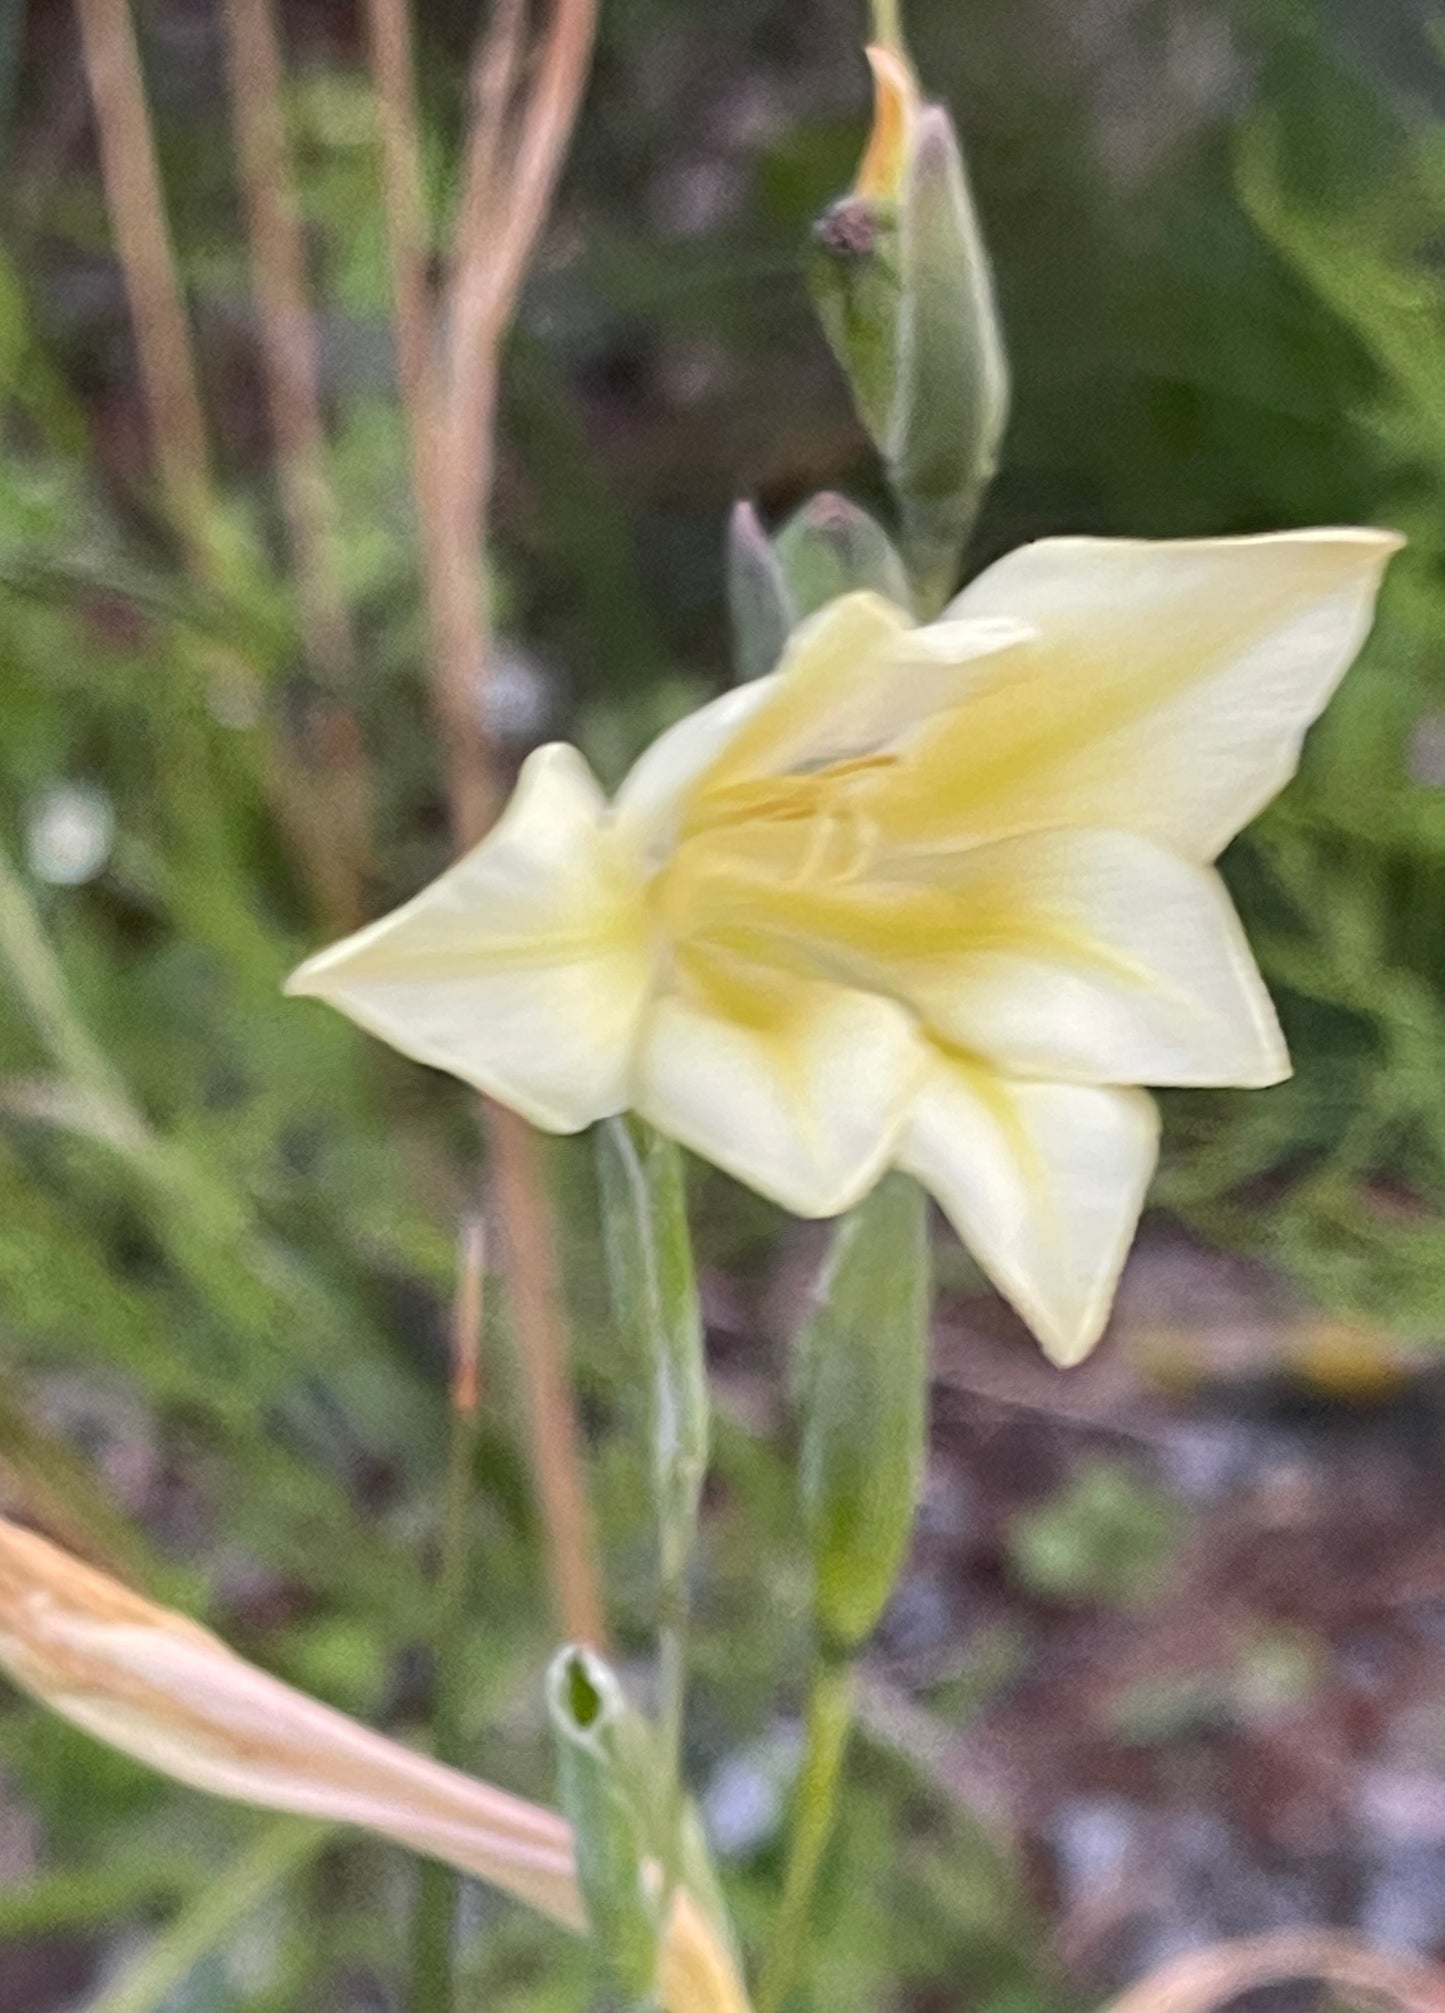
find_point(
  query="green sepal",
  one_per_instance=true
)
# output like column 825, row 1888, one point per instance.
column 853, row 274
column 762, row 613
column 863, row 1394
column 951, row 386
column 601, row 1765
column 832, row 547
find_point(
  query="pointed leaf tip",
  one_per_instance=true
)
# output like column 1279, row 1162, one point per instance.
column 758, row 600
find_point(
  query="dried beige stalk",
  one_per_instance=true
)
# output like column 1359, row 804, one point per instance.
column 166, row 1691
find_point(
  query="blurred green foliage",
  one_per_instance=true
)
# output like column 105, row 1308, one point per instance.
column 223, row 1308
column 1107, row 1536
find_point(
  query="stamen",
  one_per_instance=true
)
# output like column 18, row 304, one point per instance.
column 803, row 793
column 819, row 838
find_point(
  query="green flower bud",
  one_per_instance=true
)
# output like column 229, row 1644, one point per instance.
column 856, row 281
column 864, row 1403
column 904, row 291
column 831, row 547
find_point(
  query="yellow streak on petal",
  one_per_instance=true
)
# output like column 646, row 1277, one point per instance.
column 1167, row 692
column 796, row 1087
column 1043, row 1182
column 856, row 678
column 1076, row 955
column 821, row 709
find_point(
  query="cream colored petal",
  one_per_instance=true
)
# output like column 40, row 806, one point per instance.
column 524, row 969
column 1097, row 957
column 647, row 807
column 855, row 677
column 1043, row 1182
column 795, row 1088
column 1168, row 691
column 1085, row 957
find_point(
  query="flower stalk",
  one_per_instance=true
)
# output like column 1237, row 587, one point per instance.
column 654, row 1289
column 826, row 1736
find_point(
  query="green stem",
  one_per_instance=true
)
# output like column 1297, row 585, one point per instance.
column 656, row 1299
column 41, row 985
column 672, row 1618
column 434, row 1922
column 888, row 25
column 934, row 549
column 830, row 1723
column 215, row 1916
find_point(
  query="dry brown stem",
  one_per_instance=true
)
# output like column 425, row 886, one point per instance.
column 1209, row 1979
column 404, row 204
column 467, row 1311
column 290, row 352
column 449, row 376
column 337, row 829
column 148, row 263
column 328, row 827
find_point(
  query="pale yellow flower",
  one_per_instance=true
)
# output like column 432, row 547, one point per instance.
column 158, row 1687
column 936, row 897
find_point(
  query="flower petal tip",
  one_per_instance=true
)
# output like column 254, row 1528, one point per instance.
column 1271, row 1075
column 303, row 982
column 1366, row 548
column 1377, row 539
column 315, row 977
column 1066, row 1350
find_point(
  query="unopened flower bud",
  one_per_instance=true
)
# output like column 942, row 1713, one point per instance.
column 903, row 288
column 864, row 1371
column 831, row 547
